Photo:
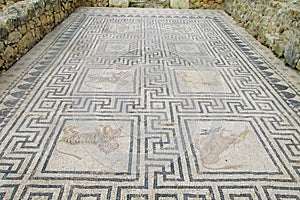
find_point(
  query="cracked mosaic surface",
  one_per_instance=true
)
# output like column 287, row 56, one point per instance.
column 149, row 104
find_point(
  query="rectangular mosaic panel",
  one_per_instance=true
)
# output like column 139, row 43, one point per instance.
column 149, row 104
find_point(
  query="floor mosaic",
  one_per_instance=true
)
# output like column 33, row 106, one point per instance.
column 149, row 104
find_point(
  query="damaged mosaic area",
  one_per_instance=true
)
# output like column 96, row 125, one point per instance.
column 149, row 104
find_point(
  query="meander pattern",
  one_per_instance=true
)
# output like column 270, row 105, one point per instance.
column 149, row 104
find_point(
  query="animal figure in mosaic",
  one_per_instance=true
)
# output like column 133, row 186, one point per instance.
column 216, row 143
column 105, row 137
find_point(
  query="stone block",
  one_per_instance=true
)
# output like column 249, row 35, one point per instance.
column 8, row 53
column 298, row 65
column 228, row 6
column 1, row 46
column 119, row 3
column 279, row 48
column 4, row 31
column 179, row 4
column 25, row 42
column 14, row 37
column 291, row 56
column 22, row 29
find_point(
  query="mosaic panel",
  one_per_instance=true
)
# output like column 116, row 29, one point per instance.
column 149, row 104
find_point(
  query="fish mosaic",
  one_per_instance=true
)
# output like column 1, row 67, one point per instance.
column 217, row 142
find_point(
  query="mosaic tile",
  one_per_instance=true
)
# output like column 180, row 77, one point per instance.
column 149, row 104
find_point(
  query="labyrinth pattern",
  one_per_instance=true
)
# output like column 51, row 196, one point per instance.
column 149, row 104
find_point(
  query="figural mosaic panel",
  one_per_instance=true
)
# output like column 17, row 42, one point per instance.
column 150, row 104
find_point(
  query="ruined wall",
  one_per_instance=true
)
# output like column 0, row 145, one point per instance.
column 274, row 23
column 4, row 3
column 95, row 3
column 207, row 4
column 25, row 23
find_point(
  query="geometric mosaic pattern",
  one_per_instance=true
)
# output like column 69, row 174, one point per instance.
column 149, row 104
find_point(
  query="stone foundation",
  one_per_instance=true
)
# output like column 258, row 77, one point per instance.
column 274, row 23
column 207, row 4
column 150, row 3
column 4, row 3
column 95, row 3
column 119, row 3
column 179, row 4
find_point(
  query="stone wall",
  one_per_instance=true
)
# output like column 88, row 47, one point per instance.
column 95, row 3
column 275, row 24
column 4, row 3
column 25, row 23
column 207, row 4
